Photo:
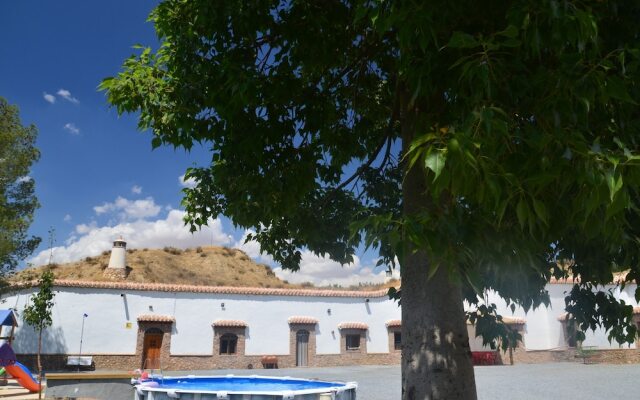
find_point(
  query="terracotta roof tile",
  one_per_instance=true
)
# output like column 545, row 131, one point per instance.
column 353, row 325
column 155, row 318
column 393, row 323
column 163, row 287
column 229, row 323
column 302, row 320
column 618, row 277
column 513, row 320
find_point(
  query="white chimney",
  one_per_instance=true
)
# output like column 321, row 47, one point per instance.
column 118, row 259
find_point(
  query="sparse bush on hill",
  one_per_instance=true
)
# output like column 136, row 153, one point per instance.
column 198, row 249
column 172, row 250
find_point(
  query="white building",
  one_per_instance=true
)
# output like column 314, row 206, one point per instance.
column 126, row 325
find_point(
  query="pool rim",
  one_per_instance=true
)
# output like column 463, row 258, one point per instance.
column 343, row 386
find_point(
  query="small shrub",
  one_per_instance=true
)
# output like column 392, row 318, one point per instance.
column 105, row 253
column 198, row 249
column 203, row 254
column 172, row 250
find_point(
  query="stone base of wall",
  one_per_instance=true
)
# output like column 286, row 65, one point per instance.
column 57, row 362
column 614, row 356
column 115, row 274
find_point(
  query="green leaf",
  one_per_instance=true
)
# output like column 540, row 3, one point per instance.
column 435, row 161
column 460, row 40
column 616, row 88
column 614, row 183
column 541, row 211
column 511, row 32
column 522, row 211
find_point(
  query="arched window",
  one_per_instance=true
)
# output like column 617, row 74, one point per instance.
column 228, row 343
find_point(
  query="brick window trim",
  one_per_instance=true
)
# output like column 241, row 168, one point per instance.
column 219, row 331
column 363, row 341
column 636, row 321
column 567, row 335
column 293, row 332
column 166, row 328
column 391, row 331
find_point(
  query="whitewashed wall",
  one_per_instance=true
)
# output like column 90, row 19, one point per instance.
column 543, row 331
column 106, row 331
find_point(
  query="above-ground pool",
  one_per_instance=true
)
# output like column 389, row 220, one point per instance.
column 242, row 388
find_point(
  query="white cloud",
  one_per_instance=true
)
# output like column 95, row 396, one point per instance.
column 25, row 178
column 49, row 97
column 136, row 189
column 65, row 94
column 127, row 209
column 189, row 183
column 136, row 226
column 91, row 239
column 322, row 271
column 252, row 248
column 72, row 128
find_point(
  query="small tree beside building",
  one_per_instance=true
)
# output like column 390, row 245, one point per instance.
column 38, row 312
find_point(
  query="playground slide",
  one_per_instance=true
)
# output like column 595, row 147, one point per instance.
column 23, row 376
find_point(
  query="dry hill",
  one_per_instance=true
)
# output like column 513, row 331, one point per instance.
column 205, row 266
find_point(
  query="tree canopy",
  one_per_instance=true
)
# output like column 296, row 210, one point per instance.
column 17, row 198
column 485, row 145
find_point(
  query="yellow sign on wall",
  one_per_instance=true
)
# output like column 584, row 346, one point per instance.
column 128, row 325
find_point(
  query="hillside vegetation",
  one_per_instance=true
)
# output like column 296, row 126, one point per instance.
column 202, row 266
column 205, row 266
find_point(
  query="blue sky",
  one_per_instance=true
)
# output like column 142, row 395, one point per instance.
column 97, row 177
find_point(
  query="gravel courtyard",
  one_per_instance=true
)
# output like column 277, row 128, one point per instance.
column 522, row 381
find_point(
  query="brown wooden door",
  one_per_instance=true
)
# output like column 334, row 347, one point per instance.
column 152, row 346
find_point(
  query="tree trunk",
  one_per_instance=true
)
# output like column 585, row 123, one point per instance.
column 39, row 363
column 436, row 358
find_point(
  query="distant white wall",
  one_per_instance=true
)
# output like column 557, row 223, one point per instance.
column 543, row 331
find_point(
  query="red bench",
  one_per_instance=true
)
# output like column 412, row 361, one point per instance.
column 484, row 357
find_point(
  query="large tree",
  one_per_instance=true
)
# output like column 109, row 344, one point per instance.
column 17, row 198
column 485, row 145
